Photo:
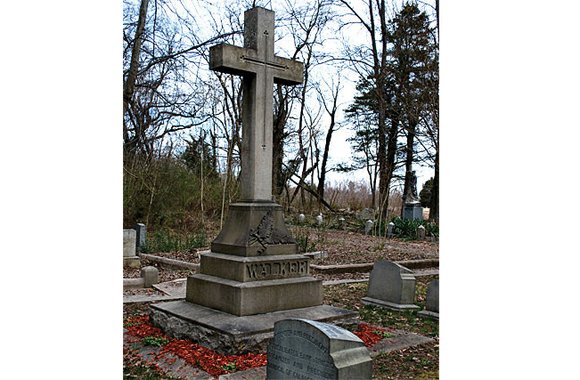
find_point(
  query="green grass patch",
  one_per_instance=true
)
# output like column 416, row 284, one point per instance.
column 169, row 241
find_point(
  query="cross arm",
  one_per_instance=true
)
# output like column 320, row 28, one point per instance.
column 242, row 61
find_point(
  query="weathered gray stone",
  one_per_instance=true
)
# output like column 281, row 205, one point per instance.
column 301, row 218
column 129, row 243
column 255, row 229
column 230, row 334
column 260, row 69
column 319, row 219
column 141, row 230
column 130, row 258
column 432, row 301
column 421, row 233
column 391, row 286
column 257, row 268
column 254, row 268
column 305, row 349
column 255, row 297
column 368, row 226
column 390, row 229
column 412, row 211
column 150, row 276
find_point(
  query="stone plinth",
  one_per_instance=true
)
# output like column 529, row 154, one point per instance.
column 255, row 229
column 413, row 210
column 304, row 349
column 130, row 257
column 391, row 286
column 253, row 297
column 230, row 334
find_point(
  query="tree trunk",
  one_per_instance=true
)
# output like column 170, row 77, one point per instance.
column 434, row 204
column 278, row 179
column 129, row 85
column 408, row 162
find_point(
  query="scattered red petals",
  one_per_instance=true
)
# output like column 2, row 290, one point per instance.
column 217, row 364
column 370, row 334
column 208, row 360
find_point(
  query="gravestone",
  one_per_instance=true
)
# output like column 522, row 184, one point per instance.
column 412, row 209
column 319, row 220
column 254, row 269
column 130, row 258
column 304, row 349
column 432, row 301
column 301, row 218
column 141, row 230
column 368, row 226
column 391, row 286
column 390, row 229
column 421, row 233
column 150, row 276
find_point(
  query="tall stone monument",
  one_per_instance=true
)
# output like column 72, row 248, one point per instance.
column 254, row 267
column 412, row 208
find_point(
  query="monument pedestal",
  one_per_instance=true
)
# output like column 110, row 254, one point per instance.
column 230, row 334
column 231, row 305
column 255, row 229
column 412, row 211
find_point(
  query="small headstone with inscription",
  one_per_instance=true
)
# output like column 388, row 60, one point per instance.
column 391, row 286
column 305, row 349
column 432, row 301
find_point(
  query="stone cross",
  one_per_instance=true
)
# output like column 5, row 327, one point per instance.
column 260, row 69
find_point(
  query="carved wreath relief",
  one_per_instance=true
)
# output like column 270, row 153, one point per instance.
column 265, row 234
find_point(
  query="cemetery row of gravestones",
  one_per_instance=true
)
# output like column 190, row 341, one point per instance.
column 304, row 349
column 390, row 285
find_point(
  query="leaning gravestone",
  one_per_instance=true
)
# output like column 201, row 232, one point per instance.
column 391, row 286
column 304, row 349
column 432, row 301
column 130, row 257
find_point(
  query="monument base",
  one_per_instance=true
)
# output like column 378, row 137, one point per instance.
column 388, row 305
column 255, row 297
column 255, row 229
column 412, row 211
column 230, row 334
column 131, row 262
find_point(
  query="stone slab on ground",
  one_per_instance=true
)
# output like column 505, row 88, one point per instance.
column 227, row 333
column 399, row 339
column 175, row 288
column 148, row 298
